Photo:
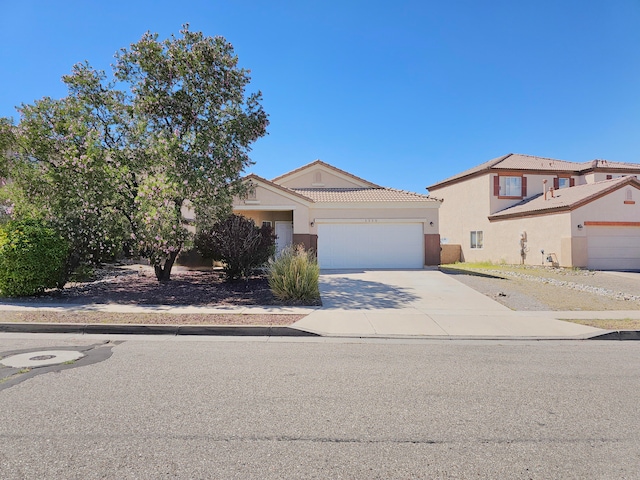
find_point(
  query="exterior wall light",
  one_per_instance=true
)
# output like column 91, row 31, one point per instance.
column 579, row 226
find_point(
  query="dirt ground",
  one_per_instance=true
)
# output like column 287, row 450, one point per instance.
column 544, row 288
column 137, row 285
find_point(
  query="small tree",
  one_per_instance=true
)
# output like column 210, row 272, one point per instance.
column 238, row 243
column 32, row 258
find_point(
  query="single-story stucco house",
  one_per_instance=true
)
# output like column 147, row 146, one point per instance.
column 350, row 222
column 534, row 210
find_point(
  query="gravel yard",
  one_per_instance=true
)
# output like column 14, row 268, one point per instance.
column 530, row 288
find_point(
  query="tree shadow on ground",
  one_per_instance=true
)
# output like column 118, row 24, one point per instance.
column 349, row 293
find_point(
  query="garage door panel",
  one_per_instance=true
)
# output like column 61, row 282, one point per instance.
column 613, row 248
column 347, row 245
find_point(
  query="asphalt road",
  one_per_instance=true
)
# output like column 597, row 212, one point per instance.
column 243, row 408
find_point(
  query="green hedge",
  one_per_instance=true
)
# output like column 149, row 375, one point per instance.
column 32, row 258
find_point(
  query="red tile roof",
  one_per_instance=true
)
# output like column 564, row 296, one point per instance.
column 349, row 195
column 520, row 162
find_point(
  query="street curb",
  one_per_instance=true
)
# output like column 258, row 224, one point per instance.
column 117, row 329
column 618, row 335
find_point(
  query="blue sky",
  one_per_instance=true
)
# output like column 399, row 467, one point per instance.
column 402, row 93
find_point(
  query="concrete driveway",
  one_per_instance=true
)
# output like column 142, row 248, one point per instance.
column 421, row 303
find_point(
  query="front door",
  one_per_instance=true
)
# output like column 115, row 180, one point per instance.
column 284, row 235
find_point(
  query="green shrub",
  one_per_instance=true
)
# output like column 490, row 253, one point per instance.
column 32, row 258
column 294, row 275
column 238, row 243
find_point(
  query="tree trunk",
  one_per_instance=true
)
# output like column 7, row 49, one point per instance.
column 163, row 272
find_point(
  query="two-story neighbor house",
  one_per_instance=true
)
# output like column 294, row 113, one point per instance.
column 533, row 210
column 349, row 221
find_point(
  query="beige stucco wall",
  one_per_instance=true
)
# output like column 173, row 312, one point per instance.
column 465, row 208
column 307, row 179
column 610, row 208
column 426, row 214
column 545, row 232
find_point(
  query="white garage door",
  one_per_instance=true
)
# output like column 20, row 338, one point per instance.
column 613, row 248
column 370, row 245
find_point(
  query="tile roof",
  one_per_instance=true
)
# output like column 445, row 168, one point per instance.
column 348, row 195
column 564, row 198
column 520, row 162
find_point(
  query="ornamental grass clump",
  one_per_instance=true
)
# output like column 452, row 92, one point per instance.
column 294, row 275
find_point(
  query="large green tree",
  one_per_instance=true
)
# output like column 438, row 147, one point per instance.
column 171, row 132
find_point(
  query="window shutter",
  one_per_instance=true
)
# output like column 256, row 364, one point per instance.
column 524, row 186
column 556, row 183
column 572, row 182
column 609, row 177
column 496, row 186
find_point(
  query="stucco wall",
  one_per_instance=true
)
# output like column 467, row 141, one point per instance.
column 426, row 214
column 610, row 208
column 545, row 232
column 309, row 178
column 465, row 208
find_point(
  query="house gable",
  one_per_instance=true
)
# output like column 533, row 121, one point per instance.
column 263, row 193
column 319, row 174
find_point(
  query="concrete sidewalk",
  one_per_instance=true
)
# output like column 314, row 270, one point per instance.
column 426, row 303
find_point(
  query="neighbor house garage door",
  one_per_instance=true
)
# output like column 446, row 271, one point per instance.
column 370, row 245
column 613, row 248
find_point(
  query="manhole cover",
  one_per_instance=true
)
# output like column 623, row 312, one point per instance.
column 41, row 359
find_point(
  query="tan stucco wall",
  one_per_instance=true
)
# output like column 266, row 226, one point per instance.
column 307, row 179
column 545, row 232
column 610, row 208
column 424, row 214
column 465, row 208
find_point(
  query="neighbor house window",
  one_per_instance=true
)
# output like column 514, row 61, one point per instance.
column 476, row 239
column 266, row 223
column 510, row 186
column 563, row 182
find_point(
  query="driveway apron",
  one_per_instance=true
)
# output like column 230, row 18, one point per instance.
column 425, row 303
